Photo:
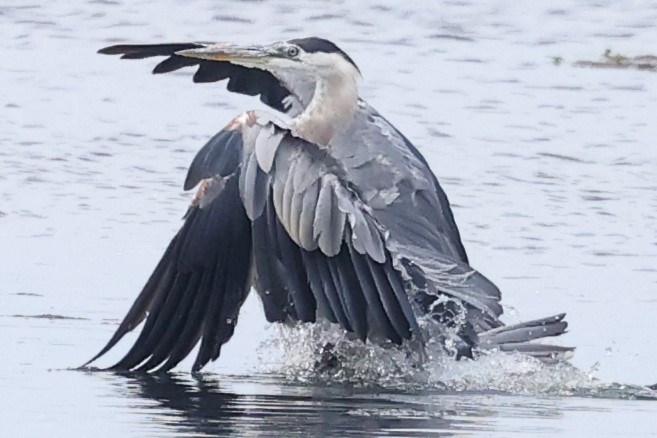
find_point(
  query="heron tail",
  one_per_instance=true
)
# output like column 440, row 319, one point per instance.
column 519, row 337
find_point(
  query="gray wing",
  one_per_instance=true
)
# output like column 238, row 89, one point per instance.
column 358, row 235
column 202, row 280
column 347, row 238
column 318, row 252
column 251, row 82
column 395, row 180
column 391, row 176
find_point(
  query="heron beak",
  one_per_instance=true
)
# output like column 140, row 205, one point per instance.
column 250, row 56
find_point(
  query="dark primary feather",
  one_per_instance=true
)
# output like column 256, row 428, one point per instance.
column 376, row 298
column 141, row 51
column 200, row 283
column 283, row 256
column 251, row 82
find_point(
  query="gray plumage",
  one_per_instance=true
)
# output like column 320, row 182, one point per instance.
column 325, row 208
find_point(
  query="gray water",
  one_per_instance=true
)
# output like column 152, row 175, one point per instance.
column 551, row 170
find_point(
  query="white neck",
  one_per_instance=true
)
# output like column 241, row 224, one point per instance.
column 331, row 108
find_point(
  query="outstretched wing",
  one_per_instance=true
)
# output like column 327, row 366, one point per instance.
column 317, row 251
column 251, row 82
column 323, row 250
column 200, row 283
column 393, row 178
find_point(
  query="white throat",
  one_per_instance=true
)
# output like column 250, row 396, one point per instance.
column 332, row 106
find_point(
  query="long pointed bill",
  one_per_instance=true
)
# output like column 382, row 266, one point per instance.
column 249, row 56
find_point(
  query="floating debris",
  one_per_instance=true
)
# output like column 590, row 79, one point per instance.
column 618, row 61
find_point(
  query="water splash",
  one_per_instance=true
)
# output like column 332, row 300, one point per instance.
column 299, row 353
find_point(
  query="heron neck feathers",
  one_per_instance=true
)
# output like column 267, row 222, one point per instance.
column 331, row 108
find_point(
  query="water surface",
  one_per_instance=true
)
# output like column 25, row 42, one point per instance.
column 551, row 169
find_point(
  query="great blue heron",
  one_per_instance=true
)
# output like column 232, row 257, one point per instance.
column 325, row 208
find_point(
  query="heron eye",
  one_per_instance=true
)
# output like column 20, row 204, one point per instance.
column 292, row 52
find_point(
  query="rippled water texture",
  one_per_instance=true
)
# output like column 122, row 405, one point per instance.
column 551, row 169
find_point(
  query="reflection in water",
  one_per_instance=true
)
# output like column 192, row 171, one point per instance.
column 211, row 405
column 199, row 406
column 204, row 405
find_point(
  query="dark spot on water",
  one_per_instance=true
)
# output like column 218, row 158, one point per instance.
column 566, row 88
column 231, row 19
column 133, row 134
column 613, row 35
column 27, row 294
column 544, row 175
column 627, row 88
column 37, row 22
column 381, row 8
column 562, row 157
column 50, row 316
column 322, row 17
column 596, row 198
column 33, row 179
column 557, row 12
column 30, row 214
column 436, row 133
column 468, row 60
column 443, row 36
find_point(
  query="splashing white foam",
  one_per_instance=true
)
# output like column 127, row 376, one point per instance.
column 296, row 354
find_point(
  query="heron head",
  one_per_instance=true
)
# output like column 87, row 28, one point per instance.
column 303, row 59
